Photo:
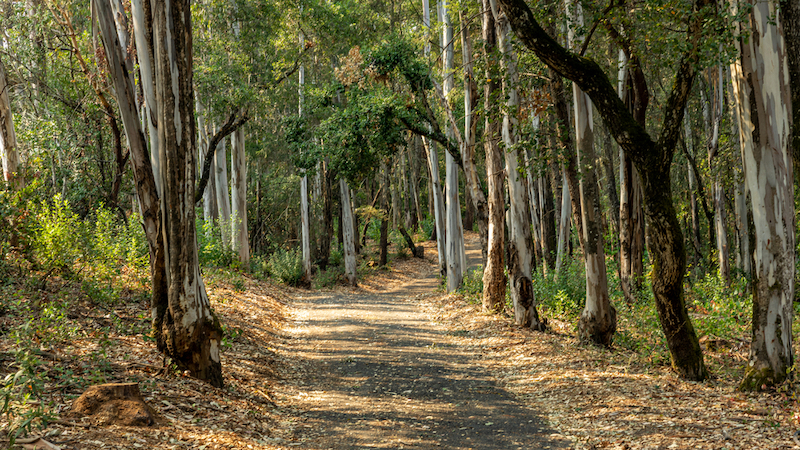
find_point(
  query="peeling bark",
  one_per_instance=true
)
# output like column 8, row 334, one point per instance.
column 763, row 104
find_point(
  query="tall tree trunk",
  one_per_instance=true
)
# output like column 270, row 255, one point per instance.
column 473, row 193
column 384, row 239
column 631, row 220
column 190, row 332
column 456, row 257
column 185, row 328
column 763, row 103
column 8, row 139
column 563, row 225
column 598, row 321
column 240, row 242
column 718, row 191
column 519, row 233
column 348, row 233
column 652, row 159
column 693, row 203
column 433, row 167
column 494, row 278
column 305, row 226
column 221, row 190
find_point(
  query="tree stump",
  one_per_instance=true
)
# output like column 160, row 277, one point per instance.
column 114, row 404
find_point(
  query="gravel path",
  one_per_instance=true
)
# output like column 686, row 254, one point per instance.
column 382, row 374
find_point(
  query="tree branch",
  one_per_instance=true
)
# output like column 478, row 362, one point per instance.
column 608, row 9
column 232, row 124
column 590, row 77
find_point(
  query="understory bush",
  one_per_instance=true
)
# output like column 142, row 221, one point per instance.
column 211, row 251
column 472, row 286
column 287, row 266
column 562, row 294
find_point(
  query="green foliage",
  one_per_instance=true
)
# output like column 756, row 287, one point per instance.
column 57, row 236
column 287, row 266
column 21, row 393
column 720, row 310
column 211, row 251
column 562, row 295
column 428, row 225
column 400, row 55
column 472, row 285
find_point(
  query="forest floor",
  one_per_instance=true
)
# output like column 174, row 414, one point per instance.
column 394, row 363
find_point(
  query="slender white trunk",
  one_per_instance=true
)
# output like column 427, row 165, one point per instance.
column 563, row 223
column 763, row 104
column 456, row 257
column 348, row 234
column 305, row 230
column 718, row 190
column 598, row 319
column 433, row 166
column 221, row 189
column 8, row 139
column 239, row 239
column 520, row 242
column 147, row 80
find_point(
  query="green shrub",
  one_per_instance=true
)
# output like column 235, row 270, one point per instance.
column 562, row 294
column 57, row 236
column 720, row 310
column 428, row 225
column 287, row 266
column 472, row 286
column 211, row 251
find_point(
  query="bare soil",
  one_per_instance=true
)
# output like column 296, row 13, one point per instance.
column 386, row 375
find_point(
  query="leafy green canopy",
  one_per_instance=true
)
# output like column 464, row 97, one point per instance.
column 363, row 117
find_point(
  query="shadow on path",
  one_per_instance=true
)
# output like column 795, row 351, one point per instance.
column 386, row 376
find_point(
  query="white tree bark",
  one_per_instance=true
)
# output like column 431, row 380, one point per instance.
column 348, row 234
column 433, row 167
column 305, row 226
column 598, row 320
column 144, row 54
column 240, row 243
column 520, row 242
column 183, row 324
column 563, row 223
column 8, row 138
column 221, row 190
column 763, row 104
column 713, row 123
column 202, row 147
column 456, row 257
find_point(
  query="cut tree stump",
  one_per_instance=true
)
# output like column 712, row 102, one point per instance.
column 114, row 404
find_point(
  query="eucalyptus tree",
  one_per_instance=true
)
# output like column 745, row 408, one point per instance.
column 763, row 104
column 598, row 321
column 494, row 277
column 456, row 258
column 652, row 158
column 520, row 243
column 8, row 138
column 184, row 326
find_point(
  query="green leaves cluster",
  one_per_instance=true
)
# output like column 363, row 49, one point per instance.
column 356, row 126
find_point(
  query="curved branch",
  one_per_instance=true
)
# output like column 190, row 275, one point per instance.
column 232, row 124
column 608, row 9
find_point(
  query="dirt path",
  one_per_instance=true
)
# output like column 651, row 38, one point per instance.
column 382, row 374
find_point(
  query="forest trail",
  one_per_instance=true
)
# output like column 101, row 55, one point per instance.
column 383, row 374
